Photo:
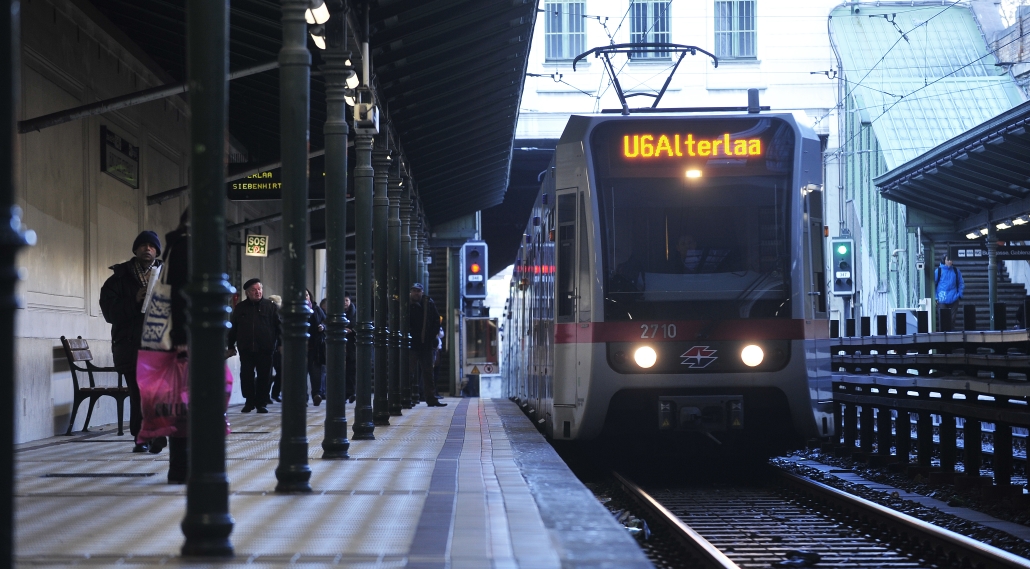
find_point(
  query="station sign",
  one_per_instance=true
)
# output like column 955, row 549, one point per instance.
column 978, row 252
column 256, row 246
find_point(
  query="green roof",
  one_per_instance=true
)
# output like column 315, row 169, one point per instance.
column 918, row 74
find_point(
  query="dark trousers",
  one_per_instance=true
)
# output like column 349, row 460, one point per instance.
column 178, row 459
column 352, row 367
column 255, row 390
column 277, row 379
column 316, row 376
column 420, row 362
column 135, row 405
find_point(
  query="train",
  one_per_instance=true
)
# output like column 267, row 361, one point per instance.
column 670, row 283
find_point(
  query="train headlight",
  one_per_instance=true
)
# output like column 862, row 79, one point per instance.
column 752, row 355
column 645, row 356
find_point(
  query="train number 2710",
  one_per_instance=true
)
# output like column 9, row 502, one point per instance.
column 651, row 330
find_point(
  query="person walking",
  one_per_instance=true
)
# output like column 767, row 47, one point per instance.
column 424, row 324
column 350, row 311
column 277, row 357
column 255, row 332
column 950, row 286
column 177, row 264
column 316, row 350
column 121, row 302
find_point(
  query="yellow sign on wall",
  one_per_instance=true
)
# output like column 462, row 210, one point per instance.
column 257, row 246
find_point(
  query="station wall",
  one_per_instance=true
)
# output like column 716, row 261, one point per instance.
column 85, row 220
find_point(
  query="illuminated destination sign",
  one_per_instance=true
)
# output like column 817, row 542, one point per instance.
column 693, row 148
column 677, row 145
column 264, row 181
column 260, row 186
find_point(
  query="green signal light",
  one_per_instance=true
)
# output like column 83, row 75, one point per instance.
column 842, row 249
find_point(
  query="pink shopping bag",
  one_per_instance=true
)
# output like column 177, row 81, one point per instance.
column 163, row 379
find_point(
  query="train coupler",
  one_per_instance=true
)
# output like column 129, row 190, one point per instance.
column 701, row 413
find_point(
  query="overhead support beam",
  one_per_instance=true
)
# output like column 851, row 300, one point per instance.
column 275, row 217
column 169, row 194
column 125, row 101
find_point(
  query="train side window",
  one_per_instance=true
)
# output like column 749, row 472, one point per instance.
column 566, row 245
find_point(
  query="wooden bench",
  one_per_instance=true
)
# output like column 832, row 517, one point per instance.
column 77, row 350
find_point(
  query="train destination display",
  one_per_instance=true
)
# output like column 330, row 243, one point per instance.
column 674, row 146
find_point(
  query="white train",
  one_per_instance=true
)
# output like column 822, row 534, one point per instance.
column 670, row 282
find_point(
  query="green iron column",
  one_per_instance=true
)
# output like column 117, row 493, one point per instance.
column 207, row 523
column 12, row 238
column 293, row 471
column 364, row 427
column 393, row 259
column 335, row 71
column 380, row 208
column 403, row 287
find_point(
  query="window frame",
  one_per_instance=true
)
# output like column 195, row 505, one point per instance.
column 736, row 34
column 648, row 35
column 568, row 42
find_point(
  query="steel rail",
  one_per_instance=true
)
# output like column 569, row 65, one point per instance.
column 938, row 539
column 706, row 552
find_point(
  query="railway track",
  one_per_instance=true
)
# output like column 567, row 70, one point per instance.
column 795, row 522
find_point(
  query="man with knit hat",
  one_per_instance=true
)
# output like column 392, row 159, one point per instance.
column 254, row 335
column 121, row 301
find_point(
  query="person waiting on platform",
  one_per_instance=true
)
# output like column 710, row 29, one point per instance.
column 256, row 331
column 950, row 285
column 121, row 302
column 424, row 324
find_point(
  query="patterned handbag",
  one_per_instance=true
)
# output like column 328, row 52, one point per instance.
column 157, row 306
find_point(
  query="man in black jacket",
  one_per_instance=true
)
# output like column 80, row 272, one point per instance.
column 255, row 331
column 424, row 324
column 121, row 301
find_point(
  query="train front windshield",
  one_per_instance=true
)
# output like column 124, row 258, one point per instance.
column 695, row 217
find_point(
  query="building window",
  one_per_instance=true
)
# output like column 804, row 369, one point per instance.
column 735, row 35
column 649, row 24
column 564, row 32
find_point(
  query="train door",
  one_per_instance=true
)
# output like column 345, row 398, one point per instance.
column 567, row 296
column 815, row 285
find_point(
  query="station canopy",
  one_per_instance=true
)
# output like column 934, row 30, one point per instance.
column 922, row 78
column 978, row 178
column 448, row 73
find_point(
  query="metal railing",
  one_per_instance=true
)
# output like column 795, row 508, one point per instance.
column 949, row 392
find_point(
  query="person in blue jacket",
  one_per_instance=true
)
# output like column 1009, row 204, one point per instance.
column 950, row 286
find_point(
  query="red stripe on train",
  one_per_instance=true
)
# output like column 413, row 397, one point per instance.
column 679, row 331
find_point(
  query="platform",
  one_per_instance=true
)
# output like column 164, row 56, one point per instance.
column 471, row 485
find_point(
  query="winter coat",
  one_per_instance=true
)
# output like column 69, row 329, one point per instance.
column 423, row 324
column 255, row 326
column 949, row 284
column 177, row 264
column 122, row 311
column 316, row 338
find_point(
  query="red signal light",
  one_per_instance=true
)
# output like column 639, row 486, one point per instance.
column 475, row 268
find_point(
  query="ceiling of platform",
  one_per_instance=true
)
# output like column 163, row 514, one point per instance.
column 449, row 75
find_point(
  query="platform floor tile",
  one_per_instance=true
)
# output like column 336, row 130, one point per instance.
column 438, row 488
